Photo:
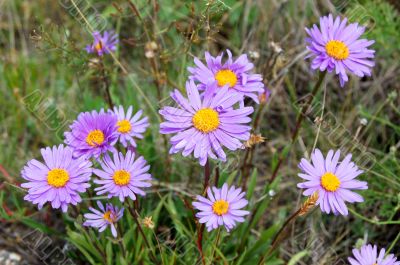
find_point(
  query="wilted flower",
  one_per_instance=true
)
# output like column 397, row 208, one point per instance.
column 103, row 44
column 332, row 181
column 204, row 125
column 233, row 74
column 253, row 140
column 59, row 180
column 107, row 216
column 129, row 127
column 368, row 255
column 336, row 47
column 264, row 96
column 92, row 134
column 222, row 207
column 123, row 176
column 148, row 222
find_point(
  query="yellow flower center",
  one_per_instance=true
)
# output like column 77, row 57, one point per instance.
column 57, row 177
column 337, row 49
column 121, row 177
column 330, row 182
column 109, row 216
column 98, row 46
column 220, row 207
column 206, row 120
column 225, row 77
column 95, row 137
column 124, row 126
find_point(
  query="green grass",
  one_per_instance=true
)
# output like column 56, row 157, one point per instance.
column 47, row 79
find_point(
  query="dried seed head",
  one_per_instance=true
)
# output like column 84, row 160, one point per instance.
column 309, row 204
column 254, row 139
column 150, row 49
column 147, row 222
column 318, row 120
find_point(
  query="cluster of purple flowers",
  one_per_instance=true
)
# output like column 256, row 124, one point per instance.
column 210, row 119
column 67, row 170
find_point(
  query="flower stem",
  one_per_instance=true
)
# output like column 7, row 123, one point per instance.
column 250, row 150
column 300, row 118
column 207, row 173
column 106, row 82
column 279, row 236
column 120, row 241
column 200, row 227
column 215, row 245
column 134, row 214
column 200, row 230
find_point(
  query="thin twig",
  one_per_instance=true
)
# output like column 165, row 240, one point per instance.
column 278, row 236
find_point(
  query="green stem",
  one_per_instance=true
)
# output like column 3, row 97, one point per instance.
column 373, row 221
column 121, row 241
column 215, row 245
column 134, row 214
column 393, row 243
column 300, row 118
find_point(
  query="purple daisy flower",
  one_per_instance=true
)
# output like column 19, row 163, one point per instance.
column 92, row 134
column 232, row 73
column 123, row 176
column 222, row 207
column 335, row 46
column 59, row 180
column 368, row 255
column 130, row 127
column 332, row 181
column 107, row 216
column 103, row 44
column 204, row 125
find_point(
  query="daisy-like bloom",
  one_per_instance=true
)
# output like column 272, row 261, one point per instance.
column 58, row 180
column 204, row 125
column 130, row 127
column 368, row 255
column 103, row 44
column 123, row 176
column 92, row 134
column 106, row 216
column 332, row 180
column 336, row 46
column 232, row 73
column 221, row 207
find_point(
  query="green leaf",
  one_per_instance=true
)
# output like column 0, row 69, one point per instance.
column 109, row 253
column 252, row 184
column 296, row 258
